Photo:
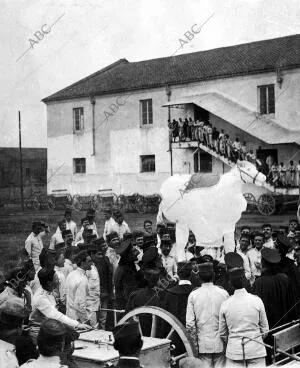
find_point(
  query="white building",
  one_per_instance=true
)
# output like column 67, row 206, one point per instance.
column 110, row 129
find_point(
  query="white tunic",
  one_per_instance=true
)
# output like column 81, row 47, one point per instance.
column 77, row 293
column 93, row 299
column 202, row 317
column 243, row 314
column 34, row 246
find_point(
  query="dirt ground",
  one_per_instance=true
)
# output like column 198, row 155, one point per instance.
column 15, row 226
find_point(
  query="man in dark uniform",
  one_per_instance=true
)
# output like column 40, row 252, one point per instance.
column 149, row 240
column 105, row 270
column 195, row 276
column 295, row 283
column 285, row 247
column 176, row 297
column 129, row 343
column 125, row 275
column 150, row 295
column 272, row 287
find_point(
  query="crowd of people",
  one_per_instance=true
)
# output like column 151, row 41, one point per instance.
column 69, row 284
column 279, row 175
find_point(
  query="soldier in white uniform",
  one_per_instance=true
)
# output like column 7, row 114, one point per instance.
column 202, row 319
column 34, row 244
column 243, row 314
column 78, row 288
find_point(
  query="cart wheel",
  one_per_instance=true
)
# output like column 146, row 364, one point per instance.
column 140, row 203
column 51, row 204
column 77, row 204
column 28, row 204
column 266, row 205
column 176, row 329
column 251, row 202
column 122, row 202
column 94, row 203
column 36, row 204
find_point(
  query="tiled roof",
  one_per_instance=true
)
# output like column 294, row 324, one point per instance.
column 244, row 59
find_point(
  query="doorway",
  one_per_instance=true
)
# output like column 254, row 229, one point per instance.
column 200, row 113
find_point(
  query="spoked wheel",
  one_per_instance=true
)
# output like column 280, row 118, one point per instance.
column 36, row 204
column 266, row 205
column 76, row 203
column 122, row 202
column 140, row 203
column 51, row 204
column 251, row 202
column 94, row 202
column 175, row 327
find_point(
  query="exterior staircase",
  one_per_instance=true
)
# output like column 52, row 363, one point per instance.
column 195, row 144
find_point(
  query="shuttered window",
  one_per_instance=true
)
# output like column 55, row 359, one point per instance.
column 267, row 99
column 146, row 112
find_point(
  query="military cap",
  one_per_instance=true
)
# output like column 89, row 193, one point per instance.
column 270, row 255
column 84, row 219
column 164, row 231
column 91, row 237
column 88, row 232
column 123, row 247
column 126, row 329
column 12, row 311
column 138, row 234
column 236, row 273
column 66, row 232
column 111, row 236
column 81, row 246
column 245, row 228
column 150, row 240
column 195, row 259
column 283, row 241
column 100, row 242
column 149, row 255
column 206, row 258
column 266, row 225
column 51, row 328
column 46, row 274
column 116, row 211
column 206, row 268
column 184, row 270
column 68, row 209
column 92, row 247
column 127, row 236
column 59, row 246
column 36, row 223
column 233, row 260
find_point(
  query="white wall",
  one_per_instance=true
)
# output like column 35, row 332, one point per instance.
column 120, row 140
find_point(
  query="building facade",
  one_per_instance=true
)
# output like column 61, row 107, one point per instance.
column 110, row 130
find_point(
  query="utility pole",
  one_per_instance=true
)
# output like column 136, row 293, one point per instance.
column 21, row 163
column 169, row 92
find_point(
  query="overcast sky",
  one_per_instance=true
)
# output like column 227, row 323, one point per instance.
column 91, row 34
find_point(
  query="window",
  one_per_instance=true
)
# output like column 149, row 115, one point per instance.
column 266, row 99
column 79, row 165
column 146, row 112
column 78, row 119
column 202, row 162
column 148, row 163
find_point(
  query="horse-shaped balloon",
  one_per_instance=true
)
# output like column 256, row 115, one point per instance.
column 210, row 212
